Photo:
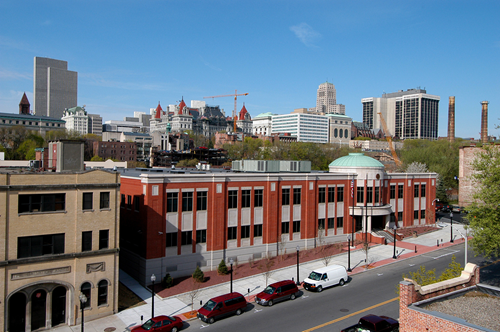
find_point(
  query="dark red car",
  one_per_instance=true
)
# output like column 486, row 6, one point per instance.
column 160, row 324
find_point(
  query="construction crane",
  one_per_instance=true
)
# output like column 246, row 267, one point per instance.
column 389, row 140
column 235, row 98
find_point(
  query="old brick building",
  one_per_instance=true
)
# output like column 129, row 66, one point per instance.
column 121, row 151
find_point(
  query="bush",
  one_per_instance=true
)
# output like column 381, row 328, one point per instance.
column 168, row 281
column 222, row 269
column 198, row 275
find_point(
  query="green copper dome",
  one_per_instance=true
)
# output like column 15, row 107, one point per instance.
column 356, row 160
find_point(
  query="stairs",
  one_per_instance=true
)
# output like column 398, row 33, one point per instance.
column 382, row 233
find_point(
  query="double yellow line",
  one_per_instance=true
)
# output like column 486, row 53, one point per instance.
column 350, row 315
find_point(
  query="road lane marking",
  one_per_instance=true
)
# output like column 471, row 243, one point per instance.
column 443, row 255
column 350, row 315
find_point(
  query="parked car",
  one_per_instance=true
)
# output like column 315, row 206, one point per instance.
column 160, row 324
column 456, row 208
column 373, row 323
column 439, row 206
column 325, row 277
column 222, row 306
column 279, row 291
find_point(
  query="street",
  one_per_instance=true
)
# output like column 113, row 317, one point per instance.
column 373, row 291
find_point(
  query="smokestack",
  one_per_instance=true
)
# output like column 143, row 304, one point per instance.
column 451, row 120
column 484, row 122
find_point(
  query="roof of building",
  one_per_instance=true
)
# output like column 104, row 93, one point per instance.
column 263, row 115
column 29, row 117
column 338, row 115
column 243, row 112
column 24, row 100
column 159, row 111
column 356, row 160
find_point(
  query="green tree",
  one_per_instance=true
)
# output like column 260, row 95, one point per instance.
column 484, row 213
column 198, row 275
column 222, row 269
column 96, row 158
column 168, row 281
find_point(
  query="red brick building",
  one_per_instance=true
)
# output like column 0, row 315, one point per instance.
column 121, row 151
column 172, row 221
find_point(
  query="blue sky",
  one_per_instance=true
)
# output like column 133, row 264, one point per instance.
column 131, row 54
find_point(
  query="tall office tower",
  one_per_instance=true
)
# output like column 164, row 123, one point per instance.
column 95, row 124
column 411, row 114
column 326, row 100
column 55, row 88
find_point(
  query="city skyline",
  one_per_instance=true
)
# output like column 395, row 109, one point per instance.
column 130, row 55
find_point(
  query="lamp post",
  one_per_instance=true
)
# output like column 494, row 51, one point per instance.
column 394, row 252
column 349, row 253
column 153, row 279
column 451, row 227
column 465, row 238
column 83, row 300
column 231, row 262
column 298, row 281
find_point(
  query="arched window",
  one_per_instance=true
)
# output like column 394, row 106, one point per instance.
column 341, row 133
column 102, row 292
column 85, row 289
column 335, row 132
column 345, row 133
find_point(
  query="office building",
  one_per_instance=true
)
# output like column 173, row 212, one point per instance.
column 39, row 124
column 411, row 114
column 76, row 119
column 340, row 128
column 262, row 124
column 175, row 220
column 305, row 126
column 326, row 100
column 55, row 87
column 59, row 240
column 95, row 124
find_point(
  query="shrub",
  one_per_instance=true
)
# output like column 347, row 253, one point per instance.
column 168, row 281
column 222, row 269
column 198, row 275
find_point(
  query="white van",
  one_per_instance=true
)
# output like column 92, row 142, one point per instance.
column 325, row 277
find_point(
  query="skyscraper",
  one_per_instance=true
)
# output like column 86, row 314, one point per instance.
column 411, row 114
column 55, row 88
column 326, row 100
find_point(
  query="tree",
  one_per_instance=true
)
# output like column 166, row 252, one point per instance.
column 416, row 167
column 222, row 269
column 198, row 275
column 484, row 213
column 266, row 265
column 168, row 281
column 96, row 158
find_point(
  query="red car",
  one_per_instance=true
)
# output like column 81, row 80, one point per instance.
column 160, row 324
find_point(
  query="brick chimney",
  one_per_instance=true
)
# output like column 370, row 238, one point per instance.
column 451, row 120
column 484, row 122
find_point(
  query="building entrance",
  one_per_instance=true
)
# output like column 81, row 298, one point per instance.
column 38, row 309
column 58, row 306
column 17, row 312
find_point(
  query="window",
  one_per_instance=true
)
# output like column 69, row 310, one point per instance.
column 232, row 233
column 331, row 194
column 172, row 202
column 377, row 194
column 360, row 194
column 245, row 232
column 340, row 222
column 296, row 196
column 258, row 197
column 232, row 199
column 137, row 203
column 85, row 289
column 245, row 198
column 321, row 223
column 122, row 202
column 285, row 196
column 201, row 236
column 187, row 201
column 285, row 227
column 422, row 190
column 257, row 230
column 186, row 238
column 393, row 191
column 87, row 241
column 400, row 191
column 340, row 194
column 102, row 292
column 172, row 239
column 201, row 201
column 422, row 214
column 103, row 239
column 416, row 190
column 331, row 223
column 296, row 226
column 41, row 203
column 369, row 194
column 33, row 246
column 104, row 200
column 321, row 195
column 400, row 216
column 415, row 214
column 129, row 202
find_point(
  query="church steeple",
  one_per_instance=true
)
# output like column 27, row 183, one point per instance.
column 24, row 105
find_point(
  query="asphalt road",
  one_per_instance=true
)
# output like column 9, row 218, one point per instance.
column 373, row 291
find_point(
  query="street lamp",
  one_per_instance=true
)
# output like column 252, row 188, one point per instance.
column 451, row 227
column 298, row 282
column 231, row 262
column 153, row 279
column 83, row 300
column 465, row 238
column 349, row 253
column 394, row 252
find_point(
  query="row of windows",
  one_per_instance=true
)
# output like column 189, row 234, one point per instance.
column 57, row 202
column 103, row 240
column 418, row 188
column 186, row 238
column 102, row 293
column 331, row 223
column 30, row 123
column 331, row 194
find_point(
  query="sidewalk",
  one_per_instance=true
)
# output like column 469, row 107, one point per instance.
column 179, row 304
